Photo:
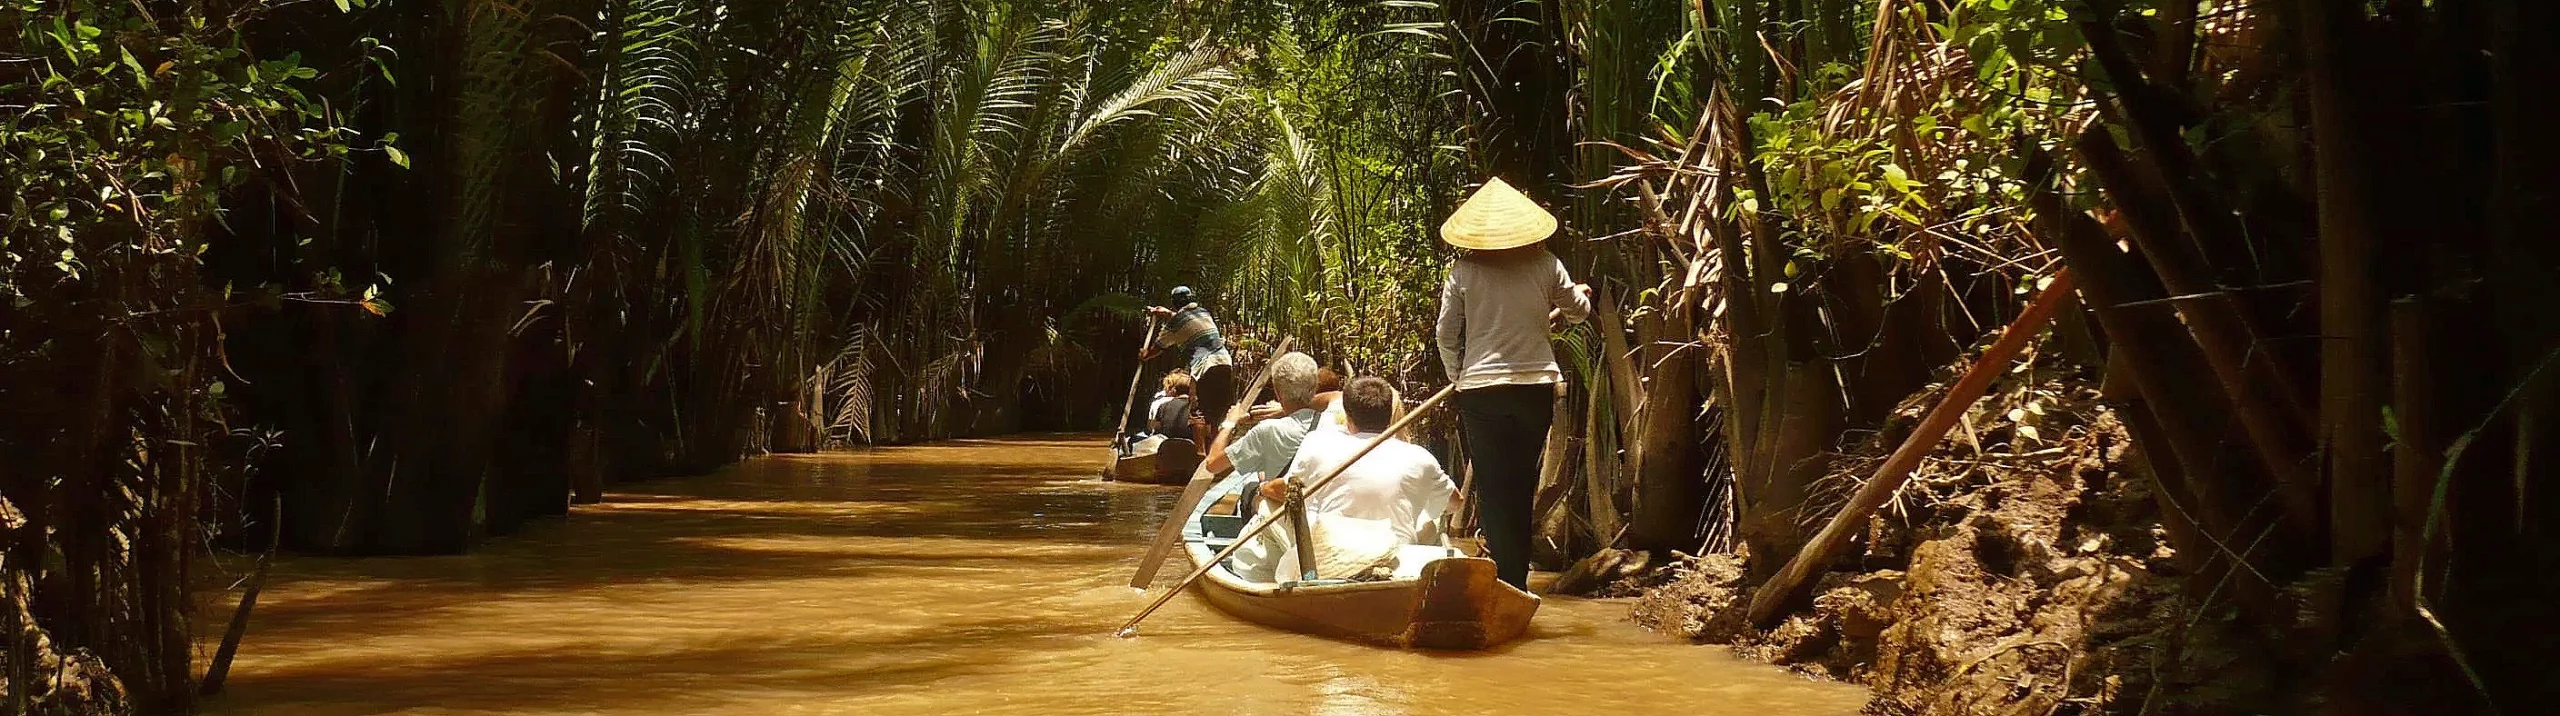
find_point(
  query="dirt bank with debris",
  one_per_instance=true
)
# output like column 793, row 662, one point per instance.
column 76, row 682
column 2023, row 570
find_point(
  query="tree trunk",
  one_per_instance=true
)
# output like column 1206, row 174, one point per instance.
column 1600, row 471
column 1772, row 519
column 1670, row 487
column 1555, row 543
column 2350, row 400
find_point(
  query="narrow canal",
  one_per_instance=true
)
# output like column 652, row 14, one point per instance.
column 969, row 577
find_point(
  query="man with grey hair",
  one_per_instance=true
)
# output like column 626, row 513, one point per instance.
column 1261, row 449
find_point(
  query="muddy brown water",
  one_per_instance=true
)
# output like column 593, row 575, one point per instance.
column 969, row 577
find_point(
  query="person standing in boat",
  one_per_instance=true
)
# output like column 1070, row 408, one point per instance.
column 1189, row 328
column 1503, row 295
column 1392, row 497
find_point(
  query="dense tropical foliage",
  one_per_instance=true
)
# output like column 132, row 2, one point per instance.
column 391, row 277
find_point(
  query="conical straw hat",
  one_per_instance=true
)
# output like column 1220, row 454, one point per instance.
column 1497, row 217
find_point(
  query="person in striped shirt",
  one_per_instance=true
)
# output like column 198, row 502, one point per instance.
column 1189, row 328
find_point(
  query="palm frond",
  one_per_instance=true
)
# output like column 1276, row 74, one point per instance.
column 1198, row 78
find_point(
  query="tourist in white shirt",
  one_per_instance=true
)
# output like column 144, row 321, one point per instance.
column 1391, row 497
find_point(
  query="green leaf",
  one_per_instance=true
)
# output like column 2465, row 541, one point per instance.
column 397, row 157
column 139, row 76
column 1895, row 177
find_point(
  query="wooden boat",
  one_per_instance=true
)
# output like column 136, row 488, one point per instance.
column 1170, row 463
column 1454, row 602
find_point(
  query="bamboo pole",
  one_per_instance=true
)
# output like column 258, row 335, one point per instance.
column 1767, row 602
column 2233, row 343
column 2154, row 123
column 1146, row 338
column 2350, row 438
column 2263, row 395
column 1131, row 628
column 2150, row 453
column 221, row 668
column 2162, row 360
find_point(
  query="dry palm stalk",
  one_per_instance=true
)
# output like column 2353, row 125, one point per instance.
column 1790, row 582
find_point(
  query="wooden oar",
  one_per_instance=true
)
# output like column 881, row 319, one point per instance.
column 1305, row 550
column 1201, row 478
column 1146, row 338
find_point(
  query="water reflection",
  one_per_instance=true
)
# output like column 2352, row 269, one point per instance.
column 972, row 577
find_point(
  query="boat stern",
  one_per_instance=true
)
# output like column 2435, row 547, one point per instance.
column 1465, row 606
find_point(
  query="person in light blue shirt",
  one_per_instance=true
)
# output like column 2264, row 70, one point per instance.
column 1262, row 449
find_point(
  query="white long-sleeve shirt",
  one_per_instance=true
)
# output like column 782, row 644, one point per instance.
column 1493, row 318
column 1372, row 510
column 1399, row 482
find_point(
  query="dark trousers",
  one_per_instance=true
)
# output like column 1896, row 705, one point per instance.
column 1506, row 431
column 1214, row 392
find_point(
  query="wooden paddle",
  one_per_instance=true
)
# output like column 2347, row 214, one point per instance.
column 1147, row 338
column 1201, row 478
column 1131, row 628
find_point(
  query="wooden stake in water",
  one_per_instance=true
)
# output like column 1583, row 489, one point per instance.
column 1131, row 629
